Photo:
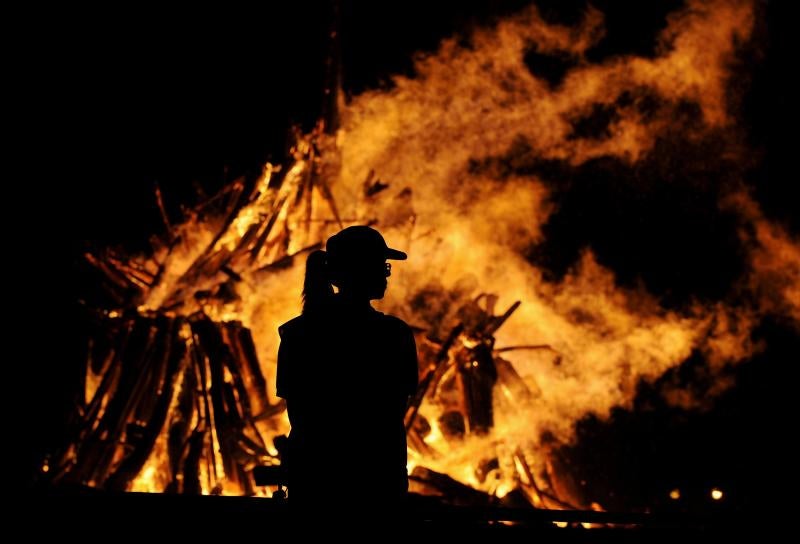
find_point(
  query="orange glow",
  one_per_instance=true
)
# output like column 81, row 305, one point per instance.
column 716, row 494
column 466, row 231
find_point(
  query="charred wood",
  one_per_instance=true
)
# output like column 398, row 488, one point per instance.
column 434, row 373
column 156, row 413
column 477, row 375
column 455, row 491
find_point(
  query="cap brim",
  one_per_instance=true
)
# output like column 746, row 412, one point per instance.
column 395, row 254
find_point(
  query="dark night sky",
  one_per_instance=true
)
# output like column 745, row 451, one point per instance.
column 183, row 98
column 197, row 97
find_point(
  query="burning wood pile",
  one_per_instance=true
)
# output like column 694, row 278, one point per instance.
column 464, row 377
column 176, row 399
column 191, row 383
column 168, row 379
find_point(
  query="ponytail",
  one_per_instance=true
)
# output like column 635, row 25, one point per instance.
column 317, row 288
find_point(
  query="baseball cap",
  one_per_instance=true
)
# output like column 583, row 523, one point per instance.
column 361, row 241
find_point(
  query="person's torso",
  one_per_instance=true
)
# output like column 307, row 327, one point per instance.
column 348, row 394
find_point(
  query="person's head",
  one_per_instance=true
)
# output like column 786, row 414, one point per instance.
column 354, row 261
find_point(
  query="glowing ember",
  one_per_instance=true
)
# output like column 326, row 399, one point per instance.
column 675, row 494
column 716, row 494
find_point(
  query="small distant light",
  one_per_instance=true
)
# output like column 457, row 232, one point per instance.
column 561, row 524
column 113, row 313
column 45, row 468
column 475, row 363
column 675, row 494
column 716, row 494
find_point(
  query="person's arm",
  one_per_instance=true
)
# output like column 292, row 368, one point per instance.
column 410, row 362
column 282, row 381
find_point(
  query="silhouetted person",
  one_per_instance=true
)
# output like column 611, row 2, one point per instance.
column 347, row 372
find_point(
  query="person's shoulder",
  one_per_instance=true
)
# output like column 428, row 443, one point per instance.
column 395, row 323
column 292, row 326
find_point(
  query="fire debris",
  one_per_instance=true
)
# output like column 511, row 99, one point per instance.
column 463, row 379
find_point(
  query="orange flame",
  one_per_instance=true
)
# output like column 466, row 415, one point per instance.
column 465, row 230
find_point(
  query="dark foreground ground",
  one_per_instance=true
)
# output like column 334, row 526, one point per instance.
column 99, row 516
